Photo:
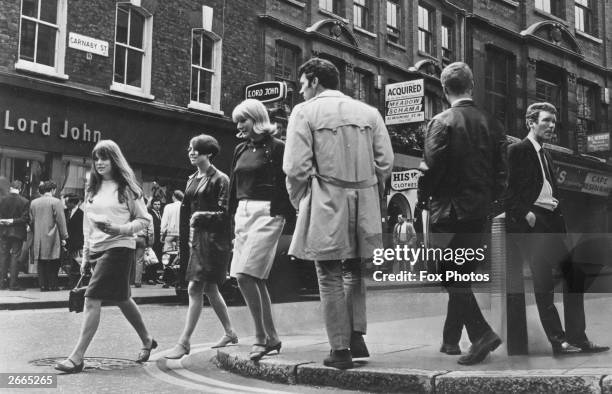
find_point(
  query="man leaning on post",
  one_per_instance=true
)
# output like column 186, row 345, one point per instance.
column 337, row 158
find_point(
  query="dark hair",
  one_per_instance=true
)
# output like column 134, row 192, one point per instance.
column 533, row 111
column 205, row 144
column 457, row 78
column 327, row 74
column 179, row 195
column 17, row 184
column 153, row 201
column 121, row 172
column 46, row 186
column 72, row 198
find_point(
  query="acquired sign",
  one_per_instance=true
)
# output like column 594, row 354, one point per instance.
column 404, row 102
column 266, row 92
column 87, row 44
column 404, row 180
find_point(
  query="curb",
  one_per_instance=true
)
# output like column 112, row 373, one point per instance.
column 14, row 306
column 404, row 380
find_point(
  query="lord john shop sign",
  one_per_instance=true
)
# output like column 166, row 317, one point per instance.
column 47, row 126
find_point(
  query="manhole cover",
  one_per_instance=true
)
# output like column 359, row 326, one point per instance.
column 100, row 363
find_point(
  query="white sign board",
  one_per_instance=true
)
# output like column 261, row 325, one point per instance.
column 404, row 180
column 405, row 102
column 87, row 44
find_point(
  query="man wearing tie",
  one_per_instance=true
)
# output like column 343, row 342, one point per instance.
column 532, row 208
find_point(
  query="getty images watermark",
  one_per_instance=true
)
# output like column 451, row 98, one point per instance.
column 457, row 256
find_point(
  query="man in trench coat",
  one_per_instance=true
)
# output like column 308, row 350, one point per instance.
column 337, row 157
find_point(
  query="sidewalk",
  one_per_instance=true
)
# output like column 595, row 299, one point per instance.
column 405, row 358
column 33, row 298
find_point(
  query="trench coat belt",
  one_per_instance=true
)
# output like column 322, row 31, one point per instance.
column 348, row 184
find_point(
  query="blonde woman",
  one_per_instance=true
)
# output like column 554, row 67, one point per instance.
column 114, row 211
column 260, row 204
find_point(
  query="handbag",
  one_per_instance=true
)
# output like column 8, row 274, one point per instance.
column 149, row 257
column 76, row 297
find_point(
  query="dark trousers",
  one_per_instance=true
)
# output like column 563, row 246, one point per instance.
column 548, row 252
column 463, row 309
column 10, row 250
column 48, row 271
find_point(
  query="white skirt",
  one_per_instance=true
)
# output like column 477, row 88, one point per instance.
column 256, row 238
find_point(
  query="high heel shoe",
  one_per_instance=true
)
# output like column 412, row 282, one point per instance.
column 145, row 352
column 271, row 348
column 257, row 351
column 226, row 340
column 178, row 351
column 76, row 368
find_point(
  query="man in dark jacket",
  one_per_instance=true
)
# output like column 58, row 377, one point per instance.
column 74, row 243
column 14, row 217
column 464, row 156
column 533, row 209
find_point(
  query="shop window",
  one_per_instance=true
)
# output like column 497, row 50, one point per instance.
column 425, row 21
column 362, row 83
column 285, row 69
column 42, row 37
column 333, row 6
column 447, row 41
column 554, row 7
column 499, row 86
column 550, row 87
column 29, row 167
column 586, row 111
column 75, row 175
column 361, row 14
column 205, row 71
column 393, row 21
column 133, row 36
column 585, row 16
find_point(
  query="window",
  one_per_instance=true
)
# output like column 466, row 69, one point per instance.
column 360, row 14
column 330, row 5
column 393, row 19
column 285, row 69
column 550, row 87
column 42, row 37
column 585, row 18
column 362, row 83
column 134, row 29
column 205, row 71
column 425, row 27
column 586, row 114
column 499, row 87
column 554, row 7
column 447, row 41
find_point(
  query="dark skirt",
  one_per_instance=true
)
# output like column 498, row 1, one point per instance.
column 208, row 258
column 111, row 276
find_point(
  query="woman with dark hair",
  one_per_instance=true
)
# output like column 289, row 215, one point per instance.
column 259, row 200
column 204, row 237
column 114, row 211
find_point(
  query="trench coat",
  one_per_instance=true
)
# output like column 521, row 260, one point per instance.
column 337, row 158
column 49, row 227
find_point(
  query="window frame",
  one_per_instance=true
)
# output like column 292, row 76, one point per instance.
column 448, row 51
column 593, row 96
column 361, row 7
column 425, row 32
column 552, row 7
column 584, row 17
column 291, row 81
column 335, row 6
column 144, row 90
column 363, row 78
column 394, row 32
column 492, row 76
column 215, row 86
column 56, row 71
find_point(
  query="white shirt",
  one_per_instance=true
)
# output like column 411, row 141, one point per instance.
column 545, row 199
column 170, row 219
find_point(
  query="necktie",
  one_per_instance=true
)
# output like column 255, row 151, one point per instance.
column 545, row 165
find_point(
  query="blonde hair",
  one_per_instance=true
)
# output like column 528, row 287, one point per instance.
column 256, row 111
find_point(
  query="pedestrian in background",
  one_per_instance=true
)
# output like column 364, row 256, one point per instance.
column 14, row 218
column 74, row 244
column 150, row 274
column 260, row 204
column 170, row 221
column 50, row 234
column 337, row 160
column 114, row 210
column 205, row 240
column 466, row 170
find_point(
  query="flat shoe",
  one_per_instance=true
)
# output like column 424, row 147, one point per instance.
column 145, row 352
column 226, row 340
column 179, row 350
column 257, row 351
column 75, row 368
